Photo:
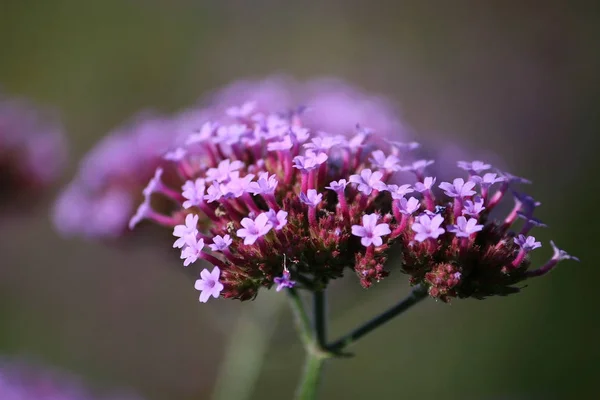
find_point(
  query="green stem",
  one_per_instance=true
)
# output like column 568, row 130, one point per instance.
column 300, row 317
column 320, row 318
column 307, row 389
column 313, row 341
column 417, row 294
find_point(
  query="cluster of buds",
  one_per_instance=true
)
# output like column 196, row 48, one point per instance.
column 253, row 189
column 32, row 146
column 20, row 380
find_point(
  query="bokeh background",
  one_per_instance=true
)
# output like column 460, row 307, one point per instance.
column 516, row 79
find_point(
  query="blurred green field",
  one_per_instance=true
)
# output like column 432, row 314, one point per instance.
column 518, row 81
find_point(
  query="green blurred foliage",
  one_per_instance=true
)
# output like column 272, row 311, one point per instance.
column 518, row 79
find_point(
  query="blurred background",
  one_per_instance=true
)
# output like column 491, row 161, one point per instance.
column 518, row 80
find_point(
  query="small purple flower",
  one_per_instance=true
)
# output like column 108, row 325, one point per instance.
column 243, row 111
column 183, row 231
column 389, row 163
column 473, row 207
column 254, row 229
column 527, row 243
column 220, row 243
column 324, row 143
column 426, row 185
column 337, row 186
column 370, row 232
column 237, row 186
column 398, row 192
column 175, row 155
column 403, row 146
column 284, row 144
column 560, row 255
column 418, row 167
column 464, row 228
column 284, row 281
column 277, row 219
column 230, row 134
column 408, row 207
column 359, row 139
column 427, row 227
column 223, row 171
column 474, row 167
column 265, row 184
column 368, row 180
column 487, row 180
column 299, row 134
column 312, row 198
column 209, row 284
column 154, row 183
column 316, row 158
column 206, row 131
column 214, row 192
column 528, row 203
column 458, row 188
column 192, row 250
column 193, row 192
column 142, row 211
column 512, row 179
column 530, row 220
column 309, row 161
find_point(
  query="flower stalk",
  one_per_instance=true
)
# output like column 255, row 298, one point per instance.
column 315, row 339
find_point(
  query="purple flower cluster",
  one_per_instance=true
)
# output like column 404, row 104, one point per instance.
column 99, row 201
column 259, row 188
column 22, row 381
column 32, row 146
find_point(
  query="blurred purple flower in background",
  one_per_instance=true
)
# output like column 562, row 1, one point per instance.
column 32, row 146
column 100, row 199
column 20, row 380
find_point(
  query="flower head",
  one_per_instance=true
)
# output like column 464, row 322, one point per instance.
column 311, row 198
column 220, row 243
column 473, row 207
column 277, row 219
column 487, row 180
column 209, row 284
column 427, row 227
column 192, row 250
column 426, row 185
column 182, row 232
column 370, row 231
column 337, row 186
column 368, row 181
column 265, row 184
column 410, row 206
column 254, row 228
column 261, row 204
column 389, row 163
column 284, row 281
column 527, row 243
column 398, row 192
column 458, row 188
column 474, row 167
column 464, row 227
column 193, row 191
